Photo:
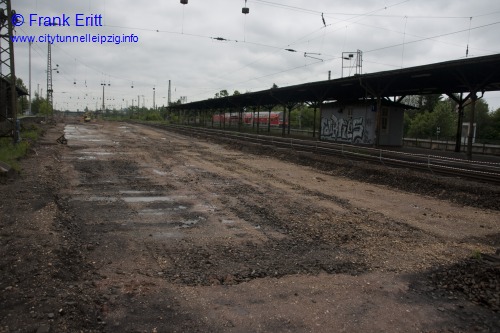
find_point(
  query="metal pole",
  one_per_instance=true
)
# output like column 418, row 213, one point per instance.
column 30, row 79
column 258, row 118
column 103, row 97
column 13, row 92
column 379, row 120
column 269, row 121
column 460, row 122
column 284, row 121
column 169, row 92
column 471, row 126
column 320, row 121
column 49, row 79
column 289, row 119
column 314, row 121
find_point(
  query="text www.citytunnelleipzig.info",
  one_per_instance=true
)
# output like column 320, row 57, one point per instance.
column 85, row 38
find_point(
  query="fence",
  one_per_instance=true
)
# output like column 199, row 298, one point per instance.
column 449, row 145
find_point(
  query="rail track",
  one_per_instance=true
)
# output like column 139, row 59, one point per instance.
column 486, row 172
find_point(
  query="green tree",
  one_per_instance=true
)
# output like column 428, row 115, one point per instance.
column 222, row 93
column 481, row 117
column 303, row 117
column 420, row 126
column 22, row 101
column 491, row 130
column 422, row 102
column 36, row 104
column 495, row 124
column 445, row 118
column 45, row 108
column 425, row 124
column 429, row 102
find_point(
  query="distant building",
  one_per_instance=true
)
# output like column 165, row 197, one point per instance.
column 465, row 132
column 356, row 122
column 5, row 103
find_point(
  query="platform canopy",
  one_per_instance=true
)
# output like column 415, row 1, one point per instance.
column 5, row 84
column 471, row 75
column 5, row 105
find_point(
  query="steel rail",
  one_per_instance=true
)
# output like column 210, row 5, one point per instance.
column 451, row 167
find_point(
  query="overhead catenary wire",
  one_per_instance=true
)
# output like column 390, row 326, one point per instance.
column 225, row 39
column 298, row 49
column 333, row 58
column 404, row 40
column 468, row 38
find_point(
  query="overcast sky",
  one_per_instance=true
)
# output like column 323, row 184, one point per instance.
column 178, row 42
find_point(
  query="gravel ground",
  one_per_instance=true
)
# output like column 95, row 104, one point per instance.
column 134, row 229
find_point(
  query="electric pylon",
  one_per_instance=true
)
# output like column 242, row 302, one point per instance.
column 49, row 79
column 8, row 91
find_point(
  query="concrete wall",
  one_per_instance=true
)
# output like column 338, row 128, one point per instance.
column 350, row 124
column 393, row 135
column 357, row 123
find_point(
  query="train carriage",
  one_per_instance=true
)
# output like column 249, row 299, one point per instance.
column 250, row 118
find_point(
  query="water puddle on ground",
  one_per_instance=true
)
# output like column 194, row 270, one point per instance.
column 146, row 199
column 154, row 212
column 205, row 208
column 160, row 173
column 191, row 222
column 161, row 211
column 81, row 133
column 98, row 153
column 132, row 192
column 133, row 177
column 95, row 199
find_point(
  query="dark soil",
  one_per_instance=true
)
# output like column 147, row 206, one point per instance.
column 141, row 230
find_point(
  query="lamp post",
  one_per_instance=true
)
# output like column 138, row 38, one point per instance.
column 103, row 84
column 50, row 91
column 154, row 92
column 30, row 96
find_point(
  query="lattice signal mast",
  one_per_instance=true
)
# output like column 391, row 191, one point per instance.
column 352, row 61
column 7, row 70
column 49, row 78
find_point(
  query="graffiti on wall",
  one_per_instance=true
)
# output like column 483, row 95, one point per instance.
column 350, row 130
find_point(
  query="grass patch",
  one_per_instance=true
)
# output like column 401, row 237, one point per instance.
column 11, row 153
column 32, row 132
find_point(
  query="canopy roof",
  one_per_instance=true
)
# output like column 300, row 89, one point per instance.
column 479, row 74
column 20, row 91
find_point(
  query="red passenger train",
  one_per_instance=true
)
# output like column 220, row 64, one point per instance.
column 249, row 118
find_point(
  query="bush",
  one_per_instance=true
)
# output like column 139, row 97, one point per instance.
column 10, row 153
column 151, row 116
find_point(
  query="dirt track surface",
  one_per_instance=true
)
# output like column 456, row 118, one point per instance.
column 134, row 229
